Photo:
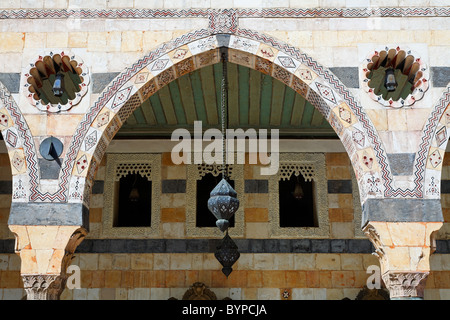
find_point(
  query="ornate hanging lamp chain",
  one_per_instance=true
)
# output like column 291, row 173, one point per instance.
column 223, row 201
column 224, row 109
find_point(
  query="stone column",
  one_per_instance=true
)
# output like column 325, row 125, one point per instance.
column 45, row 252
column 404, row 250
column 47, row 235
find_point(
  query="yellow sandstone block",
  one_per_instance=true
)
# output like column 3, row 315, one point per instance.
column 63, row 125
column 397, row 120
column 440, row 38
column 349, row 38
column 151, row 39
column 57, row 39
column 300, row 39
column 42, row 237
column 37, row 124
column 29, row 263
column 35, row 40
column 132, row 41
column 97, row 41
column 379, row 118
column 55, row 264
column 78, row 39
column 328, row 261
column 407, row 234
column 415, row 118
column 398, row 258
column 11, row 42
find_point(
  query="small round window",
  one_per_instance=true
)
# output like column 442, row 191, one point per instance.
column 56, row 82
column 395, row 77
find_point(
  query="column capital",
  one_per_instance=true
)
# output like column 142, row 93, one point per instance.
column 44, row 286
column 405, row 284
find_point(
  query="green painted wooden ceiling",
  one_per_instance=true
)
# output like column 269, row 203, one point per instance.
column 255, row 100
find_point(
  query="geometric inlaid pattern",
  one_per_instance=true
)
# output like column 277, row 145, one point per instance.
column 345, row 114
column 326, row 92
column 441, row 136
column 435, row 158
column 82, row 164
column 18, row 161
column 3, row 120
column 121, row 97
column 358, row 137
column 90, row 141
column 11, row 138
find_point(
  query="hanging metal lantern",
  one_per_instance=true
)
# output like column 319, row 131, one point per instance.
column 58, row 85
column 389, row 80
column 223, row 203
column 298, row 190
column 227, row 254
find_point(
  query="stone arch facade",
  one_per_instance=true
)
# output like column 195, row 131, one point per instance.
column 200, row 48
column 400, row 219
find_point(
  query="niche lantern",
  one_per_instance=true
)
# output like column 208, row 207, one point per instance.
column 58, row 85
column 389, row 80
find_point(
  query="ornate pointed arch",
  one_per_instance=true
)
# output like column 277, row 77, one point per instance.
column 201, row 48
column 20, row 146
column 434, row 140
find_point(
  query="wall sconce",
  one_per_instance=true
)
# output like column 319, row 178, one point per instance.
column 389, row 80
column 58, row 85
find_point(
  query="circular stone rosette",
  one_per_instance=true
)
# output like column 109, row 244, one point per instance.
column 43, row 68
column 409, row 64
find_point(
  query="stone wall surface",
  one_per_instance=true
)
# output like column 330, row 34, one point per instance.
column 335, row 38
column 166, row 265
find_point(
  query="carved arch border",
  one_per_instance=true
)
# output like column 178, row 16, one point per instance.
column 20, row 146
column 198, row 49
column 434, row 140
